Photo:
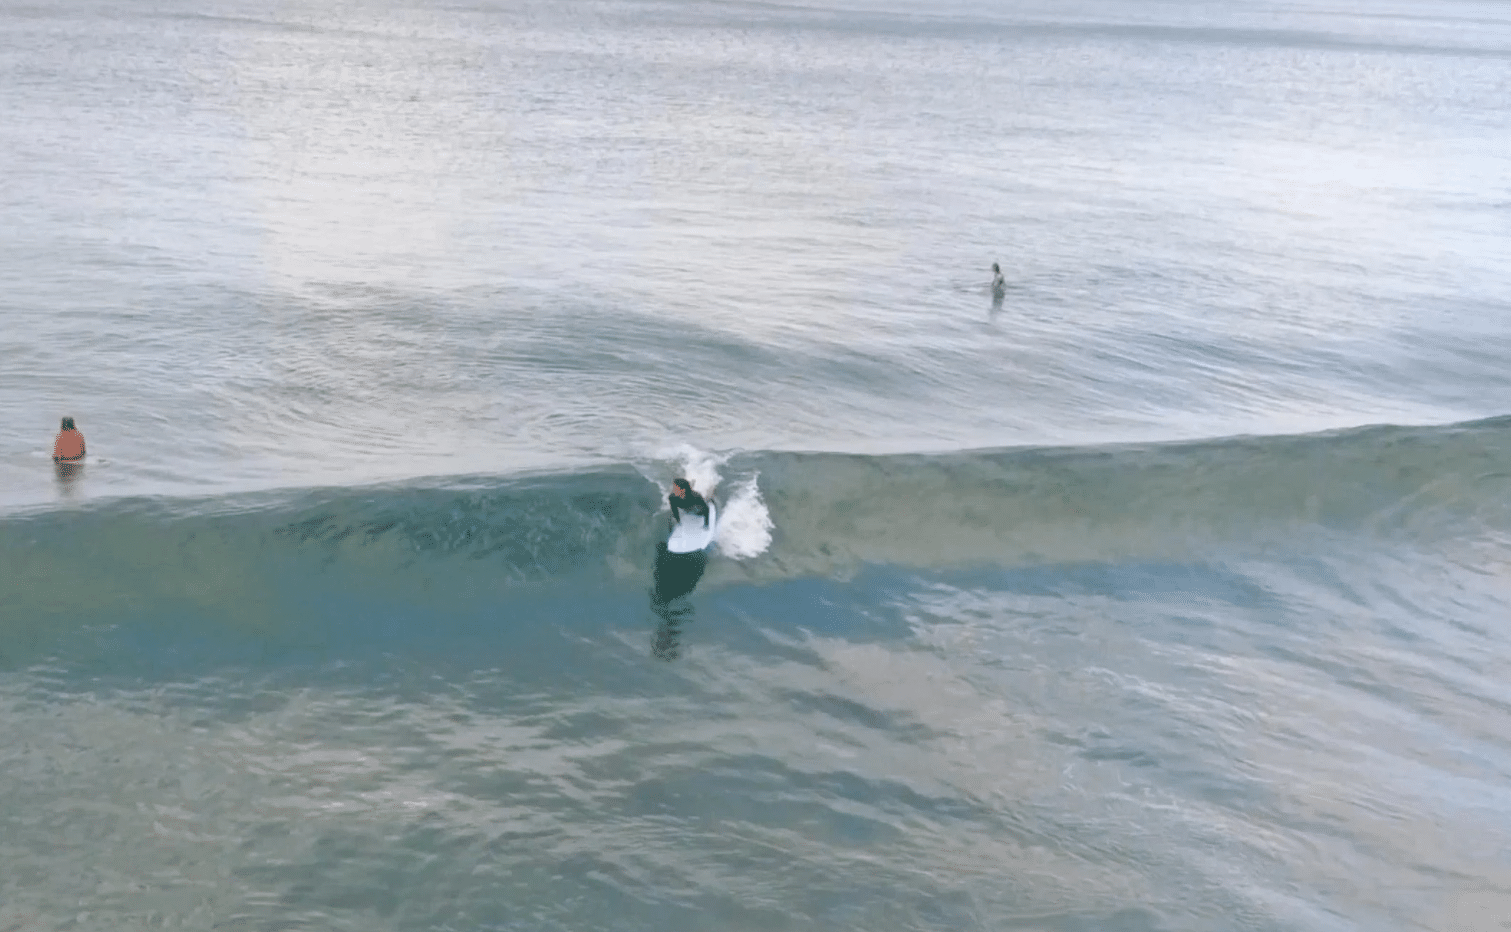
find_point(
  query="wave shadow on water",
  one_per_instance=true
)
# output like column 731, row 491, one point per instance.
column 673, row 579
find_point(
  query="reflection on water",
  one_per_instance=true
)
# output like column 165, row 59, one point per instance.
column 666, row 644
column 68, row 475
column 675, row 576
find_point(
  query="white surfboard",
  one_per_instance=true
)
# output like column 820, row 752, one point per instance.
column 690, row 536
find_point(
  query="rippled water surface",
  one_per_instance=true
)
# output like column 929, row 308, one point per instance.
column 1167, row 593
column 250, row 245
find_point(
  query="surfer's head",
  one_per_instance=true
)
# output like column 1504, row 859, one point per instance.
column 681, row 487
column 68, row 423
column 996, row 267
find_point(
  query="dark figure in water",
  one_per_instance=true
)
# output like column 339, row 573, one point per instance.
column 666, row 644
column 676, row 575
column 999, row 285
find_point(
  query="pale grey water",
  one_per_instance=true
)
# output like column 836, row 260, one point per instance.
column 251, row 245
column 1094, row 682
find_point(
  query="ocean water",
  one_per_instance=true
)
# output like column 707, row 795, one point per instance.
column 1168, row 593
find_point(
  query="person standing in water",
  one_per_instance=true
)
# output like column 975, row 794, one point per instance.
column 999, row 284
column 69, row 447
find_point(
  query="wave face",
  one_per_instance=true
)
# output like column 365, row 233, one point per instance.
column 1127, row 688
column 254, row 559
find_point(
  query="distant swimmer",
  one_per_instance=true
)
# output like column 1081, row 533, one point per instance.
column 683, row 498
column 999, row 284
column 69, row 447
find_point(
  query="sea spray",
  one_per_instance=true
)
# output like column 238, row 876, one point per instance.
column 744, row 521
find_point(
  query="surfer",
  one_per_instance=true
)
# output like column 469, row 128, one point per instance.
column 999, row 284
column 69, row 447
column 683, row 498
column 679, row 567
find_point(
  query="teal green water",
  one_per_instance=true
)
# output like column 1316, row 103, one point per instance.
column 1250, row 683
column 1167, row 594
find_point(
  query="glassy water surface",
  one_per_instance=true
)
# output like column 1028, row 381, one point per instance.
column 1168, row 593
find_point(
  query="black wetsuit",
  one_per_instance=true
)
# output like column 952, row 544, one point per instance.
column 690, row 502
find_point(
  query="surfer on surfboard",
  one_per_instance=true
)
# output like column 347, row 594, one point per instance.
column 683, row 498
column 680, row 558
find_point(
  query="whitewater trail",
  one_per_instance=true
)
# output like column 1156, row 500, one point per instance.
column 745, row 525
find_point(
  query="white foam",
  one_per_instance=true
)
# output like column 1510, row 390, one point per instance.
column 744, row 523
column 700, row 467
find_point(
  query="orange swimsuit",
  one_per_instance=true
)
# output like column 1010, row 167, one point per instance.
column 70, row 446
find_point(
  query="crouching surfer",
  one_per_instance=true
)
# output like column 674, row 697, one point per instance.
column 678, row 571
column 679, row 568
